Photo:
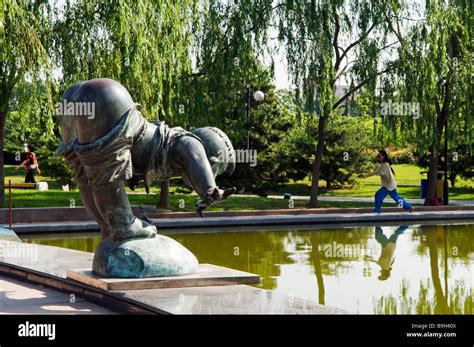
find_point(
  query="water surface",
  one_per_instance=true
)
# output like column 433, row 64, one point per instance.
column 425, row 269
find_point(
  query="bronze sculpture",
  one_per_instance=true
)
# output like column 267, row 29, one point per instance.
column 116, row 144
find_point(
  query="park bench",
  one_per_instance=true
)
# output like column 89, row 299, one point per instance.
column 20, row 185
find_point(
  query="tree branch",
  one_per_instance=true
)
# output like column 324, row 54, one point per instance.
column 342, row 72
column 336, row 37
column 360, row 85
column 359, row 40
column 196, row 74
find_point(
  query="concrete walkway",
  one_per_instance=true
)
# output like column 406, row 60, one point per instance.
column 388, row 200
column 17, row 297
column 285, row 219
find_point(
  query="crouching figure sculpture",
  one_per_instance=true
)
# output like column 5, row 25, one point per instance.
column 116, row 145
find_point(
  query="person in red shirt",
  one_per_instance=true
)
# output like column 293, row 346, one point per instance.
column 30, row 164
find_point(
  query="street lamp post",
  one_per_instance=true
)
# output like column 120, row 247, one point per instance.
column 89, row 63
column 257, row 96
column 248, row 116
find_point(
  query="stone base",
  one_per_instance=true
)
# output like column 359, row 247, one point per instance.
column 206, row 275
column 160, row 256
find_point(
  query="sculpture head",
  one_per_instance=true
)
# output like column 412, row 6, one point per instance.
column 219, row 150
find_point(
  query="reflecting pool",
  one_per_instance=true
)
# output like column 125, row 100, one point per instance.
column 422, row 269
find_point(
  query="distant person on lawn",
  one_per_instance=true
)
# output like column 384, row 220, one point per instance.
column 30, row 164
column 389, row 187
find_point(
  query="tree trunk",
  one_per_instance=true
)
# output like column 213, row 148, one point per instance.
column 164, row 194
column 316, row 167
column 452, row 179
column 441, row 302
column 317, row 267
column 432, row 176
column 3, row 117
column 442, row 113
column 434, row 159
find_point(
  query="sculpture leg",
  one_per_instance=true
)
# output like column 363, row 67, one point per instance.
column 109, row 205
column 87, row 197
column 113, row 205
column 134, row 249
column 189, row 156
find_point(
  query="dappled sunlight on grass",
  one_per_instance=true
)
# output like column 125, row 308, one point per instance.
column 406, row 174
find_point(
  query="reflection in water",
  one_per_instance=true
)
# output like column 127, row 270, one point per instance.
column 387, row 256
column 432, row 298
column 353, row 268
column 441, row 303
column 316, row 260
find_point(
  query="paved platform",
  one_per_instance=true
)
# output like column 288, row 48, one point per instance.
column 47, row 265
column 19, row 297
column 238, row 299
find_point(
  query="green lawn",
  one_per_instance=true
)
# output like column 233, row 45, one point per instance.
column 57, row 198
column 407, row 177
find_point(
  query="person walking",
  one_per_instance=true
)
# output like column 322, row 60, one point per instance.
column 30, row 164
column 389, row 186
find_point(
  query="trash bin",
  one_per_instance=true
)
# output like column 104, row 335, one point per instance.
column 439, row 185
column 424, row 187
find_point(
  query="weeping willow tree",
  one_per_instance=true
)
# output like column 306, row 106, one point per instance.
column 436, row 71
column 142, row 44
column 231, row 53
column 24, row 36
column 230, row 44
column 331, row 42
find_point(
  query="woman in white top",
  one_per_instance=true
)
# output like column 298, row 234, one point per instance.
column 389, row 187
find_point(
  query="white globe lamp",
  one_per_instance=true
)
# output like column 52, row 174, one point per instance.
column 259, row 96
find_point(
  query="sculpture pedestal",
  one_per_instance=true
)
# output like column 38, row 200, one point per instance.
column 160, row 256
column 206, row 275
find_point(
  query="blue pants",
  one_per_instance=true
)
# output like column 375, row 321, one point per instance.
column 383, row 240
column 382, row 193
